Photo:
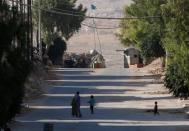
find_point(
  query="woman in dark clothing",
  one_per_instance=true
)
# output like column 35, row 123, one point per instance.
column 74, row 107
column 78, row 104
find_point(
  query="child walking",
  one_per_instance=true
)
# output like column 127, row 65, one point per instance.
column 92, row 104
column 156, row 112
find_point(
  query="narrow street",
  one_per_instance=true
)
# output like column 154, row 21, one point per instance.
column 124, row 102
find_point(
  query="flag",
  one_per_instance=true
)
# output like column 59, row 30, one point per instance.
column 93, row 7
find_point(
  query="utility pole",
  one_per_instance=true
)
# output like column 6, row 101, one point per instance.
column 30, row 31
column 93, row 8
column 39, row 30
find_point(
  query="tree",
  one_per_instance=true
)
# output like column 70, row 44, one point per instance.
column 14, row 65
column 52, row 21
column 145, row 34
column 176, row 17
column 55, row 21
column 56, row 51
column 151, row 46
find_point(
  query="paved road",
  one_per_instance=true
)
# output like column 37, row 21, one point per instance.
column 123, row 98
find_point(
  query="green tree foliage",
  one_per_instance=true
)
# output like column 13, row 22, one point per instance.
column 145, row 34
column 56, row 51
column 56, row 22
column 176, row 17
column 171, row 32
column 151, row 46
column 14, row 67
column 176, row 81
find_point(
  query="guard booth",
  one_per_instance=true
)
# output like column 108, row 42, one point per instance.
column 131, row 57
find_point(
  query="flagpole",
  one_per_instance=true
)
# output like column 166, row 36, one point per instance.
column 93, row 7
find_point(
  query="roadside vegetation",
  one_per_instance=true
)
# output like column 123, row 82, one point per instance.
column 16, row 45
column 15, row 62
column 164, row 36
column 57, row 27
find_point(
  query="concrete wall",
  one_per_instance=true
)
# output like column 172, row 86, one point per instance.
column 132, row 56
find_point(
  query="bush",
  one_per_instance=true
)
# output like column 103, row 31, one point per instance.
column 151, row 47
column 175, row 81
column 13, row 74
column 56, row 51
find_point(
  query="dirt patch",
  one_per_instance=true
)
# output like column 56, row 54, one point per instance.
column 155, row 67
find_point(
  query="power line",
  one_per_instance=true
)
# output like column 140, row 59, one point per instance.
column 67, row 11
column 93, row 17
column 96, row 27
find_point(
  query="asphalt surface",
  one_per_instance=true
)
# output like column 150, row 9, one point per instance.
column 124, row 100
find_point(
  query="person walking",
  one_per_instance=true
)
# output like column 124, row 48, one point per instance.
column 156, row 112
column 74, row 107
column 78, row 104
column 92, row 104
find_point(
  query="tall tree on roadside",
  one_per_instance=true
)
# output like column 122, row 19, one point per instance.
column 14, row 65
column 176, row 41
column 171, row 32
column 54, row 17
column 56, row 51
column 60, row 17
column 145, row 34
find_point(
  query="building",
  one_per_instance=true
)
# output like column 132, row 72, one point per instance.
column 131, row 57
